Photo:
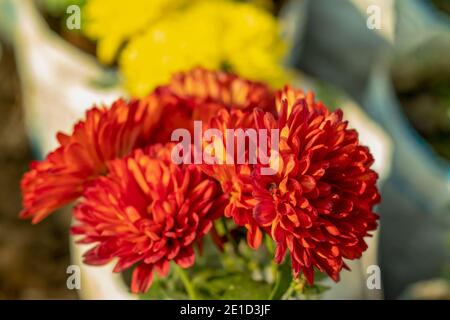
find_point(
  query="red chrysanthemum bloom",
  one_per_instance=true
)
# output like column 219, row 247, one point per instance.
column 224, row 89
column 147, row 211
column 105, row 135
column 109, row 133
column 319, row 204
column 203, row 93
column 234, row 177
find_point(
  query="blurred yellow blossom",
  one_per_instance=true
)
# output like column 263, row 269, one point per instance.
column 215, row 34
column 252, row 44
column 178, row 43
column 112, row 22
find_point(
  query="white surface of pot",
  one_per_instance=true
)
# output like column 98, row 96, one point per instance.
column 98, row 282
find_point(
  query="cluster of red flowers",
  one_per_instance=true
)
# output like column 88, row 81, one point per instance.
column 143, row 210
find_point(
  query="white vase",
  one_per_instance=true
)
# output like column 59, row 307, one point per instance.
column 98, row 282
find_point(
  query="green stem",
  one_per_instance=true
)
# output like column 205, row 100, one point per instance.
column 269, row 244
column 230, row 238
column 186, row 282
column 289, row 291
column 283, row 279
column 276, row 287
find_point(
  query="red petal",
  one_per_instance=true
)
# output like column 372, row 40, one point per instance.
column 142, row 278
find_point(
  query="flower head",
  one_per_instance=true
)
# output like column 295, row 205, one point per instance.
column 147, row 211
column 105, row 135
column 198, row 95
column 225, row 89
column 318, row 206
column 234, row 177
column 228, row 102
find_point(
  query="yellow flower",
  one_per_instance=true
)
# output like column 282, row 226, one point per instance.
column 215, row 34
column 177, row 43
column 112, row 22
column 252, row 44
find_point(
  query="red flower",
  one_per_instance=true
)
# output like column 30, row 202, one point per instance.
column 235, row 178
column 141, row 208
column 107, row 134
column 319, row 204
column 225, row 89
column 146, row 211
column 59, row 179
column 203, row 93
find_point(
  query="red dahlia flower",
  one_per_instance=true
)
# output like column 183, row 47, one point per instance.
column 319, row 204
column 146, row 211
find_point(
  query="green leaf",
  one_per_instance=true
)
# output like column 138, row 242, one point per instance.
column 219, row 275
column 239, row 287
column 282, row 281
column 163, row 290
column 315, row 289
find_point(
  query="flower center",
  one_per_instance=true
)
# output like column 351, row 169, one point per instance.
column 272, row 188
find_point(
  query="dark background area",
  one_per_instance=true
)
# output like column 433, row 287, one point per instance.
column 33, row 259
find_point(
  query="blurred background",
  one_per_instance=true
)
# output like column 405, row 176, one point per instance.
column 33, row 259
column 388, row 59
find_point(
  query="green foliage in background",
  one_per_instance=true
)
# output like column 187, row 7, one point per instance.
column 236, row 273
